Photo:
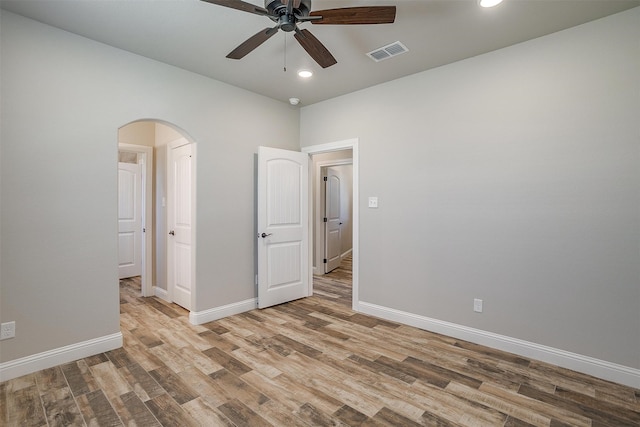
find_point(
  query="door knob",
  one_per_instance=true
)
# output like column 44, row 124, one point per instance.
column 263, row 235
column 173, row 233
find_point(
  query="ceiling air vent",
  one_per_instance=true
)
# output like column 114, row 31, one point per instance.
column 387, row 51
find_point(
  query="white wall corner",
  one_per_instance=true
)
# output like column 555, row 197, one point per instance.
column 200, row 317
column 587, row 365
column 58, row 356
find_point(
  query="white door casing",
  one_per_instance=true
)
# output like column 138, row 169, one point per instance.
column 283, row 226
column 129, row 220
column 332, row 221
column 180, row 221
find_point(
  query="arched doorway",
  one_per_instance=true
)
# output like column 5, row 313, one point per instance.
column 154, row 144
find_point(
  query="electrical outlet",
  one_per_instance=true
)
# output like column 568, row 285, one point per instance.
column 373, row 202
column 477, row 305
column 7, row 330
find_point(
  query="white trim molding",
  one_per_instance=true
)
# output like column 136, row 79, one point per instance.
column 588, row 365
column 330, row 146
column 161, row 293
column 58, row 356
column 200, row 317
column 347, row 253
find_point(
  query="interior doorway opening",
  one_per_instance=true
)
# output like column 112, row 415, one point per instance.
column 135, row 178
column 322, row 164
column 148, row 143
column 335, row 213
column 323, row 156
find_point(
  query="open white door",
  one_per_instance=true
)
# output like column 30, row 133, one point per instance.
column 332, row 223
column 180, row 201
column 129, row 220
column 283, row 226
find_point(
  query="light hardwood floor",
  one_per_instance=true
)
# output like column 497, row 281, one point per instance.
column 311, row 362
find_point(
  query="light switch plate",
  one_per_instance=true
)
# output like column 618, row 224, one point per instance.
column 373, row 202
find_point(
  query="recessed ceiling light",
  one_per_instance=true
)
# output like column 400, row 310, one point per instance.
column 489, row 3
column 305, row 74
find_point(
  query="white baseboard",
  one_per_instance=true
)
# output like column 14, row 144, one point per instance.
column 200, row 317
column 577, row 362
column 161, row 293
column 346, row 254
column 58, row 356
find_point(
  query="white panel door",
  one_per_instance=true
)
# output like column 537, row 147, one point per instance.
column 129, row 220
column 332, row 223
column 180, row 221
column 283, row 226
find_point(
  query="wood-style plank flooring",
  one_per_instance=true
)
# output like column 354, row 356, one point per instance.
column 311, row 362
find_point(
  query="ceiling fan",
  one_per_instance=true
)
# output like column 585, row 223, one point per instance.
column 288, row 13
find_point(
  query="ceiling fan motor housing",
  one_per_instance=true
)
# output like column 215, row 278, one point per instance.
column 278, row 13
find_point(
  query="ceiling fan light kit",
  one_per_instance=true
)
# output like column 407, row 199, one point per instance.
column 287, row 14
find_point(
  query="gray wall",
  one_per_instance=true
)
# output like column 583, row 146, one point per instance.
column 63, row 99
column 513, row 177
column 160, row 217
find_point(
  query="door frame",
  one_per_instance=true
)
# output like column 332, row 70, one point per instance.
column 170, row 146
column 347, row 144
column 147, row 209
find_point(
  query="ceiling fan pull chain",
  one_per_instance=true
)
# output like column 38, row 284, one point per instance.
column 285, row 52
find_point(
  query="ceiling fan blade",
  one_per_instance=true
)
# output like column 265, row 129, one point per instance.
column 252, row 42
column 314, row 48
column 240, row 5
column 356, row 15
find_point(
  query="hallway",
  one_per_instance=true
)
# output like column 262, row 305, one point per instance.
column 336, row 285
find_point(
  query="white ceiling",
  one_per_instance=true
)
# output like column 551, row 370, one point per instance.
column 196, row 36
